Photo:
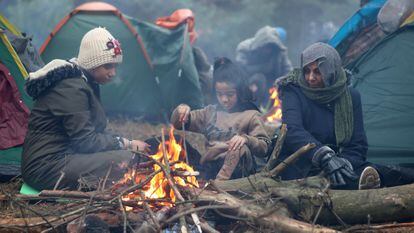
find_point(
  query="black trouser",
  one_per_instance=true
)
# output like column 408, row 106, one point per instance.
column 393, row 175
column 390, row 175
column 86, row 171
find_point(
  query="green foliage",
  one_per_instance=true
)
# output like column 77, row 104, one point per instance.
column 221, row 24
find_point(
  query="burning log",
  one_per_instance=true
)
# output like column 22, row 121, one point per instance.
column 172, row 171
column 169, row 164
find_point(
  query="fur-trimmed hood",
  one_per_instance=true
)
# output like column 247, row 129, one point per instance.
column 50, row 75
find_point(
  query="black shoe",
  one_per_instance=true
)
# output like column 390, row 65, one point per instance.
column 369, row 179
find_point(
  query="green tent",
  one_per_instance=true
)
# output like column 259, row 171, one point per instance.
column 384, row 76
column 11, row 65
column 158, row 71
column 11, row 60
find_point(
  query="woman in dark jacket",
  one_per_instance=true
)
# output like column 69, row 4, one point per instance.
column 319, row 107
column 66, row 139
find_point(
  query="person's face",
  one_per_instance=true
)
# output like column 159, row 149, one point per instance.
column 104, row 73
column 313, row 75
column 226, row 95
column 253, row 88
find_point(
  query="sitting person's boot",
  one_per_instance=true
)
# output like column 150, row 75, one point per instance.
column 369, row 179
column 230, row 163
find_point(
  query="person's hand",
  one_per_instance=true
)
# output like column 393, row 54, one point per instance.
column 183, row 111
column 137, row 145
column 236, row 142
column 338, row 169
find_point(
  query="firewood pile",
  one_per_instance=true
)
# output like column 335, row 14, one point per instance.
column 165, row 196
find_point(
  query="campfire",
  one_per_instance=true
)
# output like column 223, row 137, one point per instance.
column 163, row 194
column 172, row 157
column 274, row 115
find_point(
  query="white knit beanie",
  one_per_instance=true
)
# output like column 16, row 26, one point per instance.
column 98, row 47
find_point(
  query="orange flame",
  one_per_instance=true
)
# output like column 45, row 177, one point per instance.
column 158, row 187
column 275, row 112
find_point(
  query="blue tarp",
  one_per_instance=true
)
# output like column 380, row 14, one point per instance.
column 364, row 17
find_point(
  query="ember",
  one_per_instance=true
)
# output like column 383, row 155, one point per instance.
column 275, row 112
column 158, row 187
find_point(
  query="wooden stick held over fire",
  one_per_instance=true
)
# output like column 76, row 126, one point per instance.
column 167, row 170
column 167, row 173
column 184, row 142
column 177, row 193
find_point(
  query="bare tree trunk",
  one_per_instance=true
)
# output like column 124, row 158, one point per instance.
column 304, row 197
column 263, row 183
column 256, row 214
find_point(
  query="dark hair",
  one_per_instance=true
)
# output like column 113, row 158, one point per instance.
column 226, row 71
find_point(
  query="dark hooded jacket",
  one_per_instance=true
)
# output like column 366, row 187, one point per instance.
column 265, row 58
column 272, row 65
column 311, row 119
column 67, row 117
column 310, row 122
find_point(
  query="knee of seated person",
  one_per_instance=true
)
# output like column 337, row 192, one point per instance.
column 244, row 151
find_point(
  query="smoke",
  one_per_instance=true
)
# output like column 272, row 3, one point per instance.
column 221, row 24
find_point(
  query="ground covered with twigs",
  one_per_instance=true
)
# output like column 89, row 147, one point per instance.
column 259, row 203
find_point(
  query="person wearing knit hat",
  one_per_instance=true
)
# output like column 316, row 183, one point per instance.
column 99, row 47
column 99, row 53
column 66, row 146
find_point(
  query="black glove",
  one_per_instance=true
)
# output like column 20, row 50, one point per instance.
column 337, row 169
